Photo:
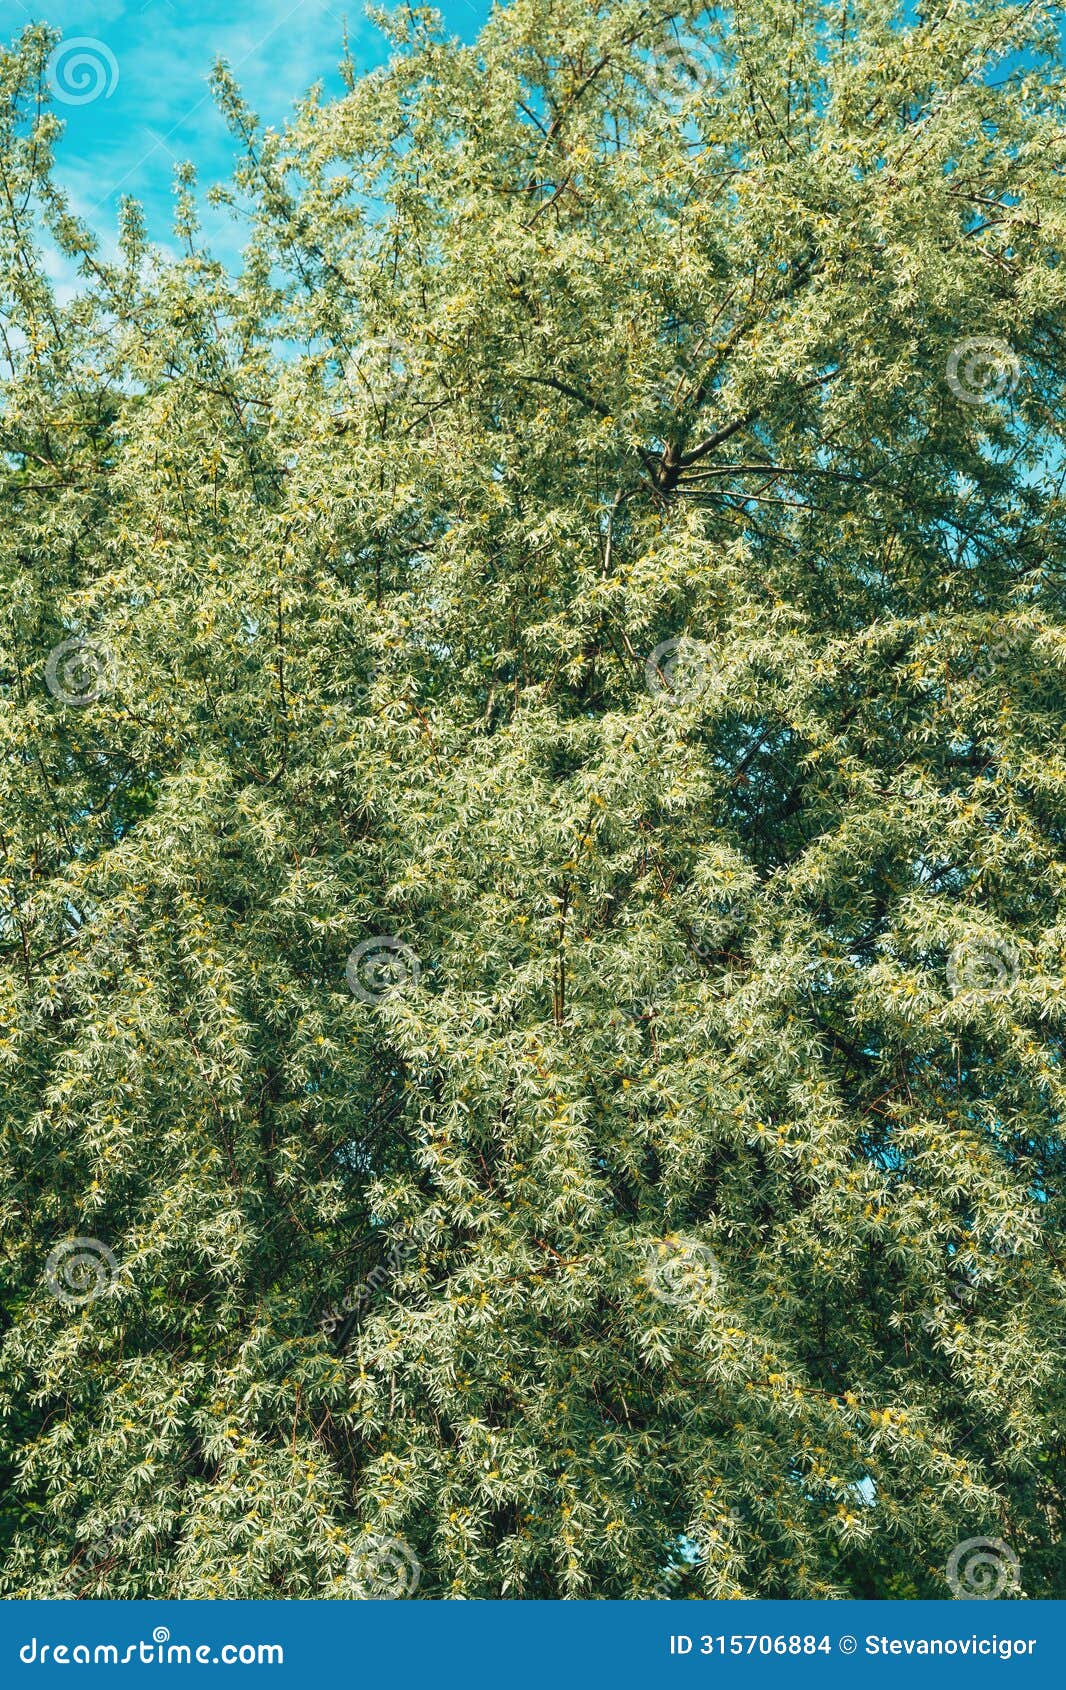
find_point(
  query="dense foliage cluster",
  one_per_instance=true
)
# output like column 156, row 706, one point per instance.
column 533, row 824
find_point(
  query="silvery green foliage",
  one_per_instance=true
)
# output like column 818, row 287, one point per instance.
column 544, row 360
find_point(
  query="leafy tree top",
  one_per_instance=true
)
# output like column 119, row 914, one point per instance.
column 532, row 814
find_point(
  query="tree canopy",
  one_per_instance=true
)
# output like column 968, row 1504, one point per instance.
column 533, row 824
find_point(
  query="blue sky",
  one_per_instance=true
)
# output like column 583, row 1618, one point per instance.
column 146, row 64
